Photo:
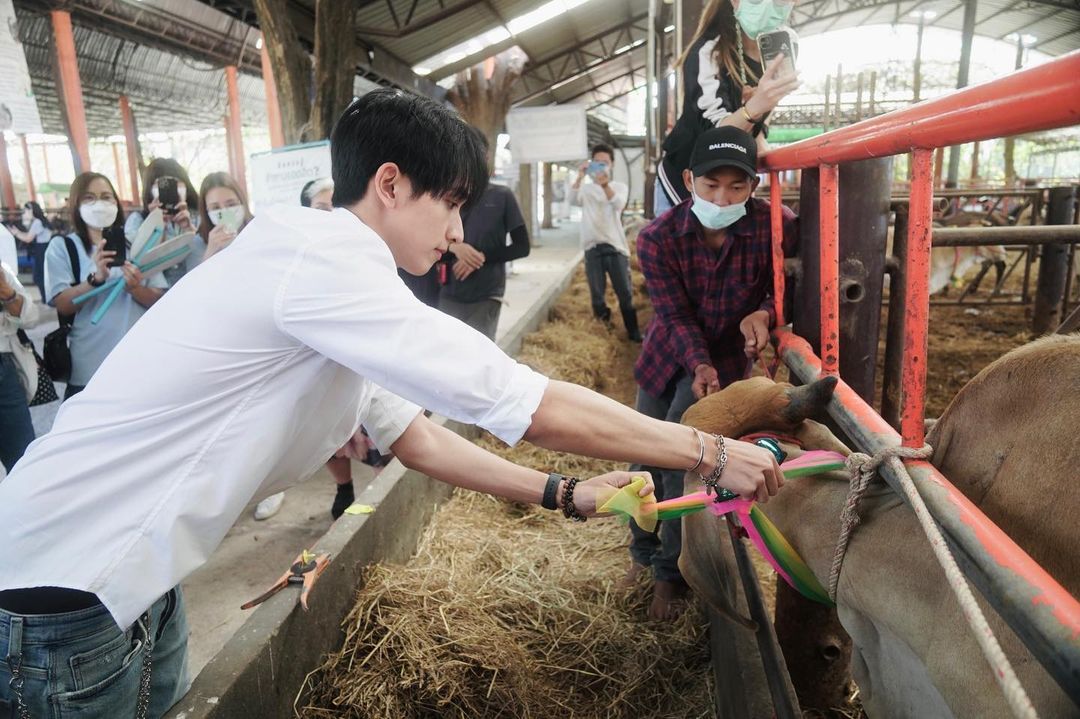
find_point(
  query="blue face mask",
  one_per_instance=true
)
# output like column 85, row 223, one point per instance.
column 760, row 16
column 717, row 217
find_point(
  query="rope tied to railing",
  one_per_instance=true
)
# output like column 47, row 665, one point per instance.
column 862, row 468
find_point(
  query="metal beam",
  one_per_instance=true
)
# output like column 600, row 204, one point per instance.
column 425, row 22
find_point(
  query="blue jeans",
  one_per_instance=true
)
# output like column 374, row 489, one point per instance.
column 80, row 664
column 603, row 261
column 660, row 549
column 16, row 429
column 37, row 253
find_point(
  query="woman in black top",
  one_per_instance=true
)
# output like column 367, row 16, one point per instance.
column 723, row 84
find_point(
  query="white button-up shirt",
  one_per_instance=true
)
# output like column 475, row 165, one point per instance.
column 242, row 380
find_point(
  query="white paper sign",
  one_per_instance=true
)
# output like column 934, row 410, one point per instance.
column 278, row 176
column 548, row 134
column 18, row 108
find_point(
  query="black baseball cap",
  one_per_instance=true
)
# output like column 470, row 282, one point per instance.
column 724, row 147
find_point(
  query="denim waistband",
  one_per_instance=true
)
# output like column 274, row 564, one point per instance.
column 43, row 629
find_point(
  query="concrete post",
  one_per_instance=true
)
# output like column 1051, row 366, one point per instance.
column 1053, row 263
column 6, row 184
column 962, row 81
column 26, row 168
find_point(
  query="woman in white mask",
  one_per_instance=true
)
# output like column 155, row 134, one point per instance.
column 723, row 84
column 224, row 212
column 78, row 263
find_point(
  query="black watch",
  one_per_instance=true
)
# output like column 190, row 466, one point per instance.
column 551, row 491
column 92, row 282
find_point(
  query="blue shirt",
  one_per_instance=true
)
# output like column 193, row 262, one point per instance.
column 198, row 245
column 91, row 343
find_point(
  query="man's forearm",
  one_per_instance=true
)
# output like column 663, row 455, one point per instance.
column 574, row 419
column 440, row 453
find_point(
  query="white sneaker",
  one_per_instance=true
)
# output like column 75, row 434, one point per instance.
column 269, row 506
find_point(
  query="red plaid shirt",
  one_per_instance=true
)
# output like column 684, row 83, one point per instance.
column 700, row 295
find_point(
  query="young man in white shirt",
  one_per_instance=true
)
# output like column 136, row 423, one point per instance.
column 602, row 237
column 229, row 391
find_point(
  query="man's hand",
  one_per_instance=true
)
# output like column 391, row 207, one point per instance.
column 752, row 471
column 706, row 381
column 132, row 276
column 585, row 493
column 755, row 328
column 467, row 254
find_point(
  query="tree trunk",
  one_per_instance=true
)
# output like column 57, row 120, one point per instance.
column 482, row 95
column 291, row 66
column 335, row 65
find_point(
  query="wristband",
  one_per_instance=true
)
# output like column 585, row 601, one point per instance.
column 746, row 114
column 551, row 491
column 93, row 282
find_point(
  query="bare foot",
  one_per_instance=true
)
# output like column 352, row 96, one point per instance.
column 630, row 579
column 669, row 600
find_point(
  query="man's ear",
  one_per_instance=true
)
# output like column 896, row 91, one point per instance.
column 754, row 184
column 688, row 180
column 387, row 184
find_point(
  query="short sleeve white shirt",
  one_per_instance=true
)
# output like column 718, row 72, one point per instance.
column 242, row 380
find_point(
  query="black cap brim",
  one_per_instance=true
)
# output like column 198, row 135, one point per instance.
column 706, row 167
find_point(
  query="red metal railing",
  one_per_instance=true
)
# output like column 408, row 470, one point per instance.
column 1041, row 98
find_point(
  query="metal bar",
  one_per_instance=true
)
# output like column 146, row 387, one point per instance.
column 916, row 298
column 1013, row 235
column 71, row 88
column 952, row 119
column 829, row 203
column 776, row 210
column 1069, row 272
column 1041, row 612
column 781, row 691
column 894, row 329
column 26, row 168
column 273, row 109
column 236, row 142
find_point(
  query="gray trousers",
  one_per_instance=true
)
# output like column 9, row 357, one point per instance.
column 482, row 316
column 660, row 549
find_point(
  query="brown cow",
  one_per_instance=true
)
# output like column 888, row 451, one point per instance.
column 1009, row 441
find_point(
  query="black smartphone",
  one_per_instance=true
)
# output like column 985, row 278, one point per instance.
column 772, row 44
column 115, row 241
column 168, row 194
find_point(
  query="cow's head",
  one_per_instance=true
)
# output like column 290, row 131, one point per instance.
column 757, row 404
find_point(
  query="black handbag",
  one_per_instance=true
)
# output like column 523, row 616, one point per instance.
column 57, row 359
column 46, row 390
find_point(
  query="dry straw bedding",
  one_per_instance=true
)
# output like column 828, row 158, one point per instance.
column 509, row 611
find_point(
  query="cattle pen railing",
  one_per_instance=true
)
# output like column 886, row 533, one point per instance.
column 1038, row 609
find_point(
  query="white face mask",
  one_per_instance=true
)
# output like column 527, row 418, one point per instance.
column 98, row 214
column 228, row 217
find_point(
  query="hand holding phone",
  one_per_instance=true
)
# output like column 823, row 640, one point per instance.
column 168, row 194
column 782, row 42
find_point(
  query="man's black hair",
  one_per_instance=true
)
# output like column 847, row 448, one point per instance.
column 431, row 145
column 602, row 147
column 480, row 137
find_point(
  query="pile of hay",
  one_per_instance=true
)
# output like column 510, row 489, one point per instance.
column 509, row 611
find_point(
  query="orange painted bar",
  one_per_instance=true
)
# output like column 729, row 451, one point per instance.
column 273, row 109
column 232, row 128
column 829, row 201
column 8, row 187
column 917, row 307
column 998, row 108
column 131, row 146
column 71, row 87
column 776, row 210
column 30, row 186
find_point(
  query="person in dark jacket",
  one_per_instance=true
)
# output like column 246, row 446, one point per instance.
column 476, row 280
column 723, row 84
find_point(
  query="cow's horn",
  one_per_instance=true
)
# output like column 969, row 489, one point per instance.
column 809, row 400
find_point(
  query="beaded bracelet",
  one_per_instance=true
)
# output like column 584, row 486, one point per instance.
column 569, row 510
column 711, row 482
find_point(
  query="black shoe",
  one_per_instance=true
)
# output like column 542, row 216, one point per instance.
column 345, row 497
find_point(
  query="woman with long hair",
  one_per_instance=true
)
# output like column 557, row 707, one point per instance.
column 179, row 218
column 94, row 208
column 723, row 84
column 224, row 212
column 36, row 235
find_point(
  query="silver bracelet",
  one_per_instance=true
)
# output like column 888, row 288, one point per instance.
column 712, row 481
column 701, row 451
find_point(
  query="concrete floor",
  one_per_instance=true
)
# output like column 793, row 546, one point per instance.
column 254, row 554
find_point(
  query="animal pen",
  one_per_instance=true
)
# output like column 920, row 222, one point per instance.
column 845, row 184
column 1041, row 612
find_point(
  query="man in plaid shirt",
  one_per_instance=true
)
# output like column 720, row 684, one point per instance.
column 707, row 264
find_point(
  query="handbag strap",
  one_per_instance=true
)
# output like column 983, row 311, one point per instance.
column 73, row 257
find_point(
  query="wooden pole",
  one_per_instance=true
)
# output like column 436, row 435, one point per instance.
column 71, row 89
column 131, row 146
column 273, row 110
column 233, row 129
column 547, row 224
column 5, row 176
column 26, row 168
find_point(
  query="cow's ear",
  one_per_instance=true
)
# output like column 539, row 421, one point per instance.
column 809, row 400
